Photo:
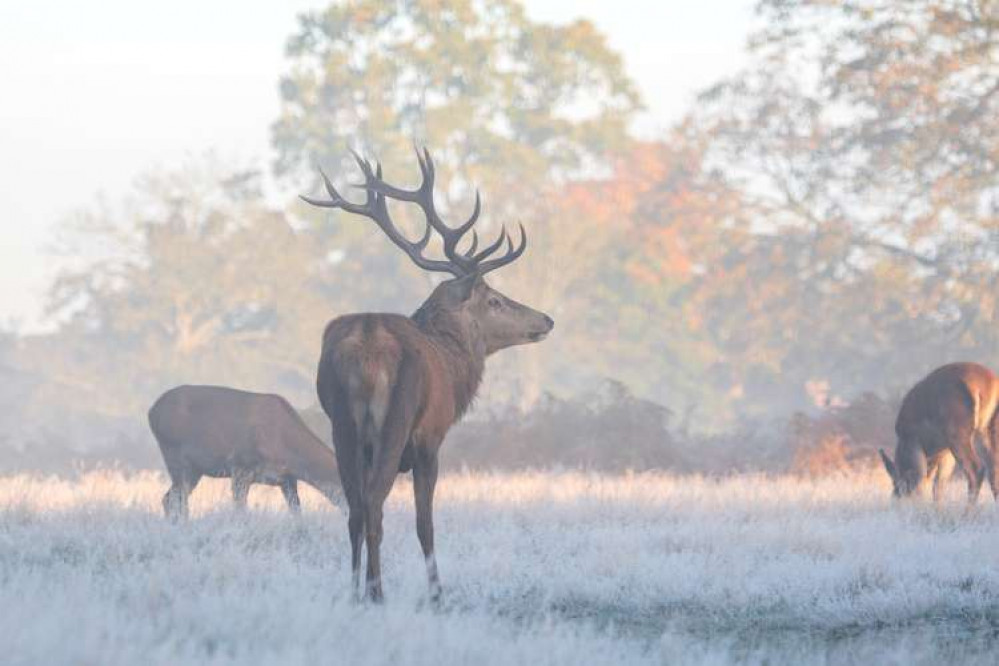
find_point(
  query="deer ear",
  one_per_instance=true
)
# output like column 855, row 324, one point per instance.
column 461, row 289
column 469, row 285
column 889, row 465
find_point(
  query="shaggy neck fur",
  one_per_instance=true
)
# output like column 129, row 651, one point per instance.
column 462, row 345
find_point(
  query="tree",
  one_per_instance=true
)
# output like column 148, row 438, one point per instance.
column 498, row 97
column 200, row 281
column 508, row 105
column 643, row 234
column 862, row 141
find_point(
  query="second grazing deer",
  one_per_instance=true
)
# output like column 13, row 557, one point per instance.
column 249, row 437
column 951, row 414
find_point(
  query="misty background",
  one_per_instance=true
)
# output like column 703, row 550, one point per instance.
column 754, row 225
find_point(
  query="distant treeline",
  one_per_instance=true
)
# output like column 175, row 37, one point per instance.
column 604, row 429
column 820, row 225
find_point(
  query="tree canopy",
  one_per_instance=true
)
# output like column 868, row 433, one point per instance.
column 204, row 283
column 823, row 223
column 508, row 105
column 499, row 97
column 861, row 141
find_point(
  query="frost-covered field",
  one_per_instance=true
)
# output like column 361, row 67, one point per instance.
column 540, row 568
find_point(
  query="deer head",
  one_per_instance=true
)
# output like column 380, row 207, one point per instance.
column 907, row 471
column 465, row 307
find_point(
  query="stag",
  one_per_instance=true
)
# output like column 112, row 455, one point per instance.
column 949, row 415
column 248, row 437
column 393, row 385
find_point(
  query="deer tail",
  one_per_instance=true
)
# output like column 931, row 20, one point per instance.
column 370, row 396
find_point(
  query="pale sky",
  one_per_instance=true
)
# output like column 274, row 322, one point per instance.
column 96, row 93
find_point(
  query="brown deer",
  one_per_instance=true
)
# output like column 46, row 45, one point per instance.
column 393, row 385
column 950, row 415
column 250, row 437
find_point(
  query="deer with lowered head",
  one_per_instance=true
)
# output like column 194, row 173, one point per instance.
column 393, row 385
column 950, row 415
column 249, row 437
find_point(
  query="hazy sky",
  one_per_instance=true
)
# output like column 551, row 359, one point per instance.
column 95, row 93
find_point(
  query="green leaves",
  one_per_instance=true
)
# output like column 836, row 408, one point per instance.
column 479, row 82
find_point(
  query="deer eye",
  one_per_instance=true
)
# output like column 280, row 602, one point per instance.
column 494, row 302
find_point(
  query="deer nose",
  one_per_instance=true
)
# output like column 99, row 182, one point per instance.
column 549, row 322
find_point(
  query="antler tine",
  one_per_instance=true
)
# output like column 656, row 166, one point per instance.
column 423, row 196
column 453, row 236
column 474, row 246
column 428, row 163
column 360, row 159
column 334, row 195
column 471, row 261
column 365, row 166
column 376, row 209
column 473, row 218
column 510, row 256
column 450, row 236
column 385, row 223
column 335, row 201
column 422, row 243
column 497, row 244
column 373, row 181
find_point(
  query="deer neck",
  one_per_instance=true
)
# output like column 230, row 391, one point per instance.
column 463, row 347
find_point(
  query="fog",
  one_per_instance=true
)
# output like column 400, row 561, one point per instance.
column 755, row 228
column 747, row 280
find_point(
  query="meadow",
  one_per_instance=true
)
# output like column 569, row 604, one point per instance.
column 558, row 567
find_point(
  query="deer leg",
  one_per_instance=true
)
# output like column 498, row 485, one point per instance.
column 373, row 541
column 972, row 465
column 172, row 502
column 351, row 469
column 188, row 489
column 987, row 452
column 355, row 519
column 990, row 468
column 975, row 475
column 385, row 459
column 355, row 526
column 240, row 489
column 944, row 467
column 289, row 488
column 424, row 482
column 175, row 500
column 931, row 476
column 993, row 455
column 376, row 492
column 958, row 436
column 980, row 446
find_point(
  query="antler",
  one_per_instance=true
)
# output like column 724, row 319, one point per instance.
column 375, row 208
column 457, row 263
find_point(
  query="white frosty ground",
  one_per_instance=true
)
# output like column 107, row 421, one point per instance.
column 557, row 568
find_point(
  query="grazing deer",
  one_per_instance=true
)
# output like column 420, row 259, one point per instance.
column 950, row 415
column 393, row 385
column 250, row 437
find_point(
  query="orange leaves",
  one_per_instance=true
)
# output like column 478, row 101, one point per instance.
column 671, row 256
column 653, row 204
